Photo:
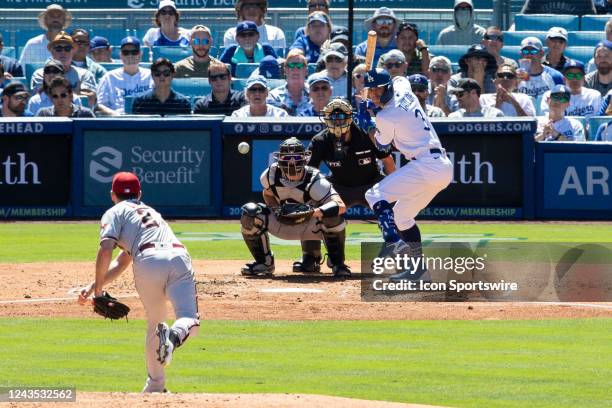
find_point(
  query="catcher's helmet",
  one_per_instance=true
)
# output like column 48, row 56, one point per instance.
column 292, row 158
column 376, row 77
column 338, row 116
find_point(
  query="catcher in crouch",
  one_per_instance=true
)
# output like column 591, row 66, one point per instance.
column 300, row 204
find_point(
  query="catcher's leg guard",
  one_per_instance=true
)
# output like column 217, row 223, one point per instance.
column 311, row 258
column 334, row 236
column 254, row 222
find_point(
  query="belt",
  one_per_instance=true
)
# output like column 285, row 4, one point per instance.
column 158, row 244
column 435, row 150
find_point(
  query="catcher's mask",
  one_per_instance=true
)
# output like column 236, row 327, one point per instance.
column 292, row 159
column 338, row 116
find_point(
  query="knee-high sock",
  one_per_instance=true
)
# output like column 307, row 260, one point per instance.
column 412, row 236
column 386, row 221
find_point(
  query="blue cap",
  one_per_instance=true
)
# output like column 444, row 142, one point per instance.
column 98, row 42
column 259, row 79
column 418, row 79
column 268, row 67
column 130, row 40
column 571, row 63
column 561, row 89
column 318, row 77
column 243, row 26
column 376, row 77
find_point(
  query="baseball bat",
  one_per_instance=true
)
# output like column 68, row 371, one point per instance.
column 369, row 57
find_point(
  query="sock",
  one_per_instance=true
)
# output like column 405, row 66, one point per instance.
column 386, row 221
column 412, row 236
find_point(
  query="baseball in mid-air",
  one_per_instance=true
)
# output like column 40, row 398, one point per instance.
column 244, row 147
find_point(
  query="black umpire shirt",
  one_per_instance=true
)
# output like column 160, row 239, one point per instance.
column 209, row 105
column 352, row 164
column 148, row 104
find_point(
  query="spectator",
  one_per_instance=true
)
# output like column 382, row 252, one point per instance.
column 255, row 10
column 479, row 65
column 336, row 58
column 320, row 91
column 167, row 31
column 100, row 50
column 467, row 91
column 80, row 58
column 591, row 64
column 420, row 86
column 463, row 31
column 293, row 96
column 53, row 20
column 256, row 93
column 604, row 133
column 583, row 101
column 248, row 49
column 603, row 6
column 197, row 65
column 439, row 74
column 554, row 125
column 384, row 23
column 358, row 83
column 394, row 62
column 340, row 34
column 506, row 99
column 14, row 99
column 82, row 81
column 556, row 41
column 162, row 100
column 601, row 78
column 313, row 5
column 535, row 77
column 3, row 79
column 42, row 99
column 605, row 108
column 12, row 68
column 128, row 81
column 571, row 7
column 269, row 68
column 414, row 49
column 493, row 41
column 60, row 91
column 222, row 100
column 318, row 29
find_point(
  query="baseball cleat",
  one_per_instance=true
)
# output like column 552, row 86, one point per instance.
column 308, row 264
column 341, row 271
column 165, row 347
column 257, row 269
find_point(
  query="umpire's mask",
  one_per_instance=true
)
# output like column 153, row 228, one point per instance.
column 338, row 116
column 292, row 159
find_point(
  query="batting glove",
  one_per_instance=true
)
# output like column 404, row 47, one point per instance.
column 363, row 119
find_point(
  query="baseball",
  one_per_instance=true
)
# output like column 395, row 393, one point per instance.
column 244, row 147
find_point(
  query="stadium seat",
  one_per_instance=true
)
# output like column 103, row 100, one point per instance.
column 9, row 52
column 243, row 70
column 594, row 23
column 594, row 122
column 542, row 22
column 312, row 68
column 23, row 35
column 511, row 51
column 583, row 54
column 191, row 86
column 29, row 70
column 452, row 52
column 174, row 54
column 280, row 52
column 515, row 37
column 585, row 38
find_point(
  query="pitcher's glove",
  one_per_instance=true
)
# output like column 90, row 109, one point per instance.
column 294, row 213
column 109, row 307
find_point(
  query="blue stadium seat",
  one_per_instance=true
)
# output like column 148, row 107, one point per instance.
column 583, row 54
column 112, row 35
column 515, row 37
column 191, row 86
column 9, row 52
column 594, row 23
column 452, row 52
column 243, row 70
column 594, row 122
column 585, row 38
column 511, row 51
column 542, row 22
column 280, row 52
column 174, row 54
column 29, row 70
column 23, row 35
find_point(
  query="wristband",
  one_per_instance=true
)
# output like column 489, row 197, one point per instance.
column 330, row 209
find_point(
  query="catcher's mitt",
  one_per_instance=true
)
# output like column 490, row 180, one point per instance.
column 109, row 307
column 294, row 213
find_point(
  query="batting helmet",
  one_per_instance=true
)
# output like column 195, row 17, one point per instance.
column 338, row 116
column 292, row 158
column 376, row 77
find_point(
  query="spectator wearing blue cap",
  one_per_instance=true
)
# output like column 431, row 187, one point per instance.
column 256, row 94
column 269, row 67
column 583, row 101
column 222, row 100
column 601, row 78
column 554, row 125
column 293, row 96
column 556, row 42
column 313, row 5
column 384, row 23
column 511, row 103
column 320, row 91
column 420, row 87
column 318, row 30
column 128, row 81
column 100, row 49
column 162, row 100
column 248, row 49
column 80, row 58
column 255, row 10
column 196, row 66
column 166, row 31
column 535, row 77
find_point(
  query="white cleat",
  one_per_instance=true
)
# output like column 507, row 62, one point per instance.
column 165, row 347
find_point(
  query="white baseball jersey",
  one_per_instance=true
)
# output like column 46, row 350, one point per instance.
column 268, row 34
column 569, row 127
column 507, row 108
column 538, row 84
column 403, row 122
column 586, row 103
column 271, row 112
column 117, row 84
column 35, row 50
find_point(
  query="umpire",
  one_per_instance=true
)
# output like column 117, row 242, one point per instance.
column 352, row 157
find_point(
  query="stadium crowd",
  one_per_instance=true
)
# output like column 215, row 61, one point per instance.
column 257, row 73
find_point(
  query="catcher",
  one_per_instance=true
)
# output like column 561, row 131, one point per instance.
column 299, row 204
column 162, row 270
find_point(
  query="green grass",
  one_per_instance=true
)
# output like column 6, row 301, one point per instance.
column 546, row 363
column 37, row 242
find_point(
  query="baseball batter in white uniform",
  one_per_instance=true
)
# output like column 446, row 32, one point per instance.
column 402, row 123
column 162, row 271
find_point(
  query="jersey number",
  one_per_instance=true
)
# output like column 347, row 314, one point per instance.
column 146, row 218
column 417, row 113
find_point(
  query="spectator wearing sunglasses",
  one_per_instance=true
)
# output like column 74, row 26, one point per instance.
column 166, row 31
column 162, row 100
column 554, row 125
column 385, row 24
column 420, row 87
column 320, row 91
column 479, row 65
column 293, row 97
column 313, row 5
column 255, row 10
column 440, row 71
column 583, row 101
column 335, row 59
column 222, row 100
column 81, row 58
column 506, row 99
column 467, row 92
column 414, row 49
column 53, row 20
column 14, row 100
column 42, row 98
column 256, row 94
column 318, row 30
column 536, row 78
column 248, row 49
column 556, row 42
column 394, row 62
column 128, row 81
column 601, row 78
column 463, row 31
column 493, row 41
column 196, row 66
column 60, row 91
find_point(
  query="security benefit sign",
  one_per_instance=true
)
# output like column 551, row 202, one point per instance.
column 34, row 174
column 174, row 169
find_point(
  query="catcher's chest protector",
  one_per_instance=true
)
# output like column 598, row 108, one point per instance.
column 299, row 193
